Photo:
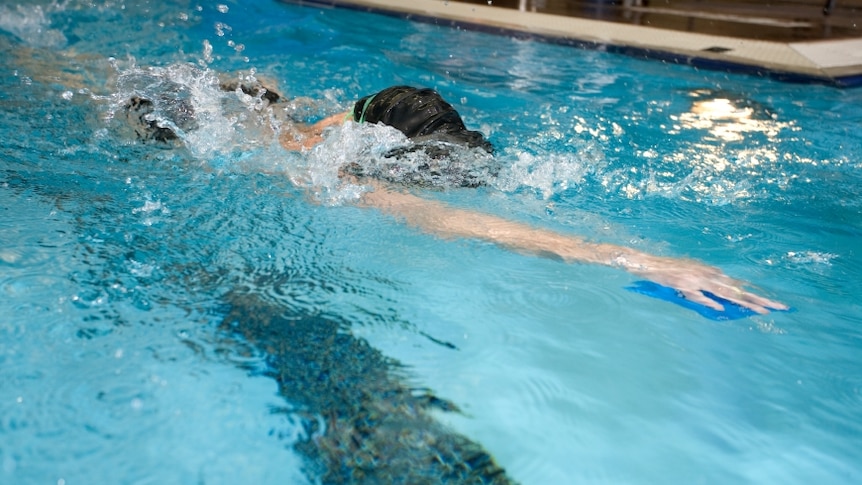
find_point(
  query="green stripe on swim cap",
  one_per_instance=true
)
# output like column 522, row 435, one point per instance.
column 365, row 107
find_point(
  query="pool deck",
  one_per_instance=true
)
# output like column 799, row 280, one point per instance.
column 802, row 45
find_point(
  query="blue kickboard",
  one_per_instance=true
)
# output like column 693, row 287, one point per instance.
column 731, row 311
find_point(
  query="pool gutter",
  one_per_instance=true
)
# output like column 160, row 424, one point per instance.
column 832, row 62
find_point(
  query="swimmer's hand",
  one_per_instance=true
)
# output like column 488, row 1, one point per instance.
column 692, row 279
column 304, row 137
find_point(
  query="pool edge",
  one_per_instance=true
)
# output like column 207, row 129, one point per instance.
column 836, row 63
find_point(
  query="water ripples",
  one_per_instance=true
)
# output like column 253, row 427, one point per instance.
column 80, row 391
column 94, row 408
column 94, row 363
column 547, row 292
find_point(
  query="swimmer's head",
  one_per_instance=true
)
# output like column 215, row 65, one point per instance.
column 421, row 114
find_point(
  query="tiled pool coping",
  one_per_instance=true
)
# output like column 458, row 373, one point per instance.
column 833, row 62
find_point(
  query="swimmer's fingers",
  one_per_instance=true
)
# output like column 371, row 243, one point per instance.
column 748, row 300
column 695, row 280
column 752, row 301
column 727, row 288
column 697, row 296
column 690, row 278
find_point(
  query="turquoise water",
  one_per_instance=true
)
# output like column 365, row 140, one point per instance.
column 133, row 278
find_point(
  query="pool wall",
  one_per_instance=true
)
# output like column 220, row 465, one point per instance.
column 832, row 62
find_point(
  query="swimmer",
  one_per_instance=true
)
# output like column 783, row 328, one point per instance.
column 432, row 124
column 422, row 115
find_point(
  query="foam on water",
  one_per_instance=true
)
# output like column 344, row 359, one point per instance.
column 187, row 99
column 31, row 24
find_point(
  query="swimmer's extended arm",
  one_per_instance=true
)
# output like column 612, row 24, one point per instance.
column 306, row 136
column 689, row 277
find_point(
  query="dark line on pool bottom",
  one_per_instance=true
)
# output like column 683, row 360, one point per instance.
column 377, row 429
column 848, row 81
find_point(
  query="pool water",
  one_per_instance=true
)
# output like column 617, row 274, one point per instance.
column 219, row 311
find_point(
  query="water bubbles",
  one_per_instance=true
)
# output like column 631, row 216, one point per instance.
column 207, row 52
column 151, row 212
column 648, row 153
column 222, row 28
column 150, row 206
column 141, row 270
column 548, row 174
column 89, row 297
column 236, row 47
column 222, row 8
column 810, row 257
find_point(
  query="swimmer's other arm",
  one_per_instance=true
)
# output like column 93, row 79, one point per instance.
column 689, row 277
column 299, row 137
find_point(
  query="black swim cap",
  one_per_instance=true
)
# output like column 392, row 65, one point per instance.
column 421, row 114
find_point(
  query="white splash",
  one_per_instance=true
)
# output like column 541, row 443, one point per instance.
column 31, row 24
column 216, row 126
column 548, row 174
column 811, row 257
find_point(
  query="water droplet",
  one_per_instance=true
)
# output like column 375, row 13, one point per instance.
column 208, row 52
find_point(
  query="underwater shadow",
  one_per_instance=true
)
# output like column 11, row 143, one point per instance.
column 371, row 426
